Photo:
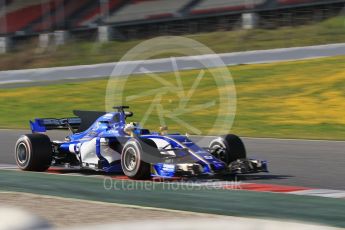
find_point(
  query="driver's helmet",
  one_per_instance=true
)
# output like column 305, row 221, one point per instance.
column 132, row 128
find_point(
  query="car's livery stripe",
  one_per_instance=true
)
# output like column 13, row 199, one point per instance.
column 176, row 141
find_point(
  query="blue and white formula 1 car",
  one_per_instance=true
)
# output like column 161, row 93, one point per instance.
column 105, row 142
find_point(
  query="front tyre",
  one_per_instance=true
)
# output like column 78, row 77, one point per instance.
column 136, row 157
column 228, row 148
column 33, row 152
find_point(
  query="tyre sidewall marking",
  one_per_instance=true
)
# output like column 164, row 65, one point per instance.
column 24, row 140
column 135, row 146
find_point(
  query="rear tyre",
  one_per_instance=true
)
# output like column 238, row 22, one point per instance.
column 228, row 148
column 33, row 152
column 137, row 156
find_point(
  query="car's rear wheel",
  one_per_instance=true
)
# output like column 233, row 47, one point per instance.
column 33, row 152
column 137, row 157
column 228, row 148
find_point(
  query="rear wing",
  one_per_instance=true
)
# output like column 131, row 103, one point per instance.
column 41, row 125
column 78, row 124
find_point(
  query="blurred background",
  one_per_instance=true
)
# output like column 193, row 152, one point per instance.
column 42, row 23
column 57, row 33
column 290, row 107
column 133, row 19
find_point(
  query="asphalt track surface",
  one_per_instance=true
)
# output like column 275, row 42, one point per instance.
column 315, row 164
column 28, row 76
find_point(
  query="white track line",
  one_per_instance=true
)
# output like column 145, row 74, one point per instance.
column 8, row 166
column 330, row 193
column 102, row 69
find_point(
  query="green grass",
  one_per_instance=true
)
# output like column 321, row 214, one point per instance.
column 76, row 53
column 301, row 99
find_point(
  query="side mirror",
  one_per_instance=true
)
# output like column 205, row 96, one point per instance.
column 128, row 114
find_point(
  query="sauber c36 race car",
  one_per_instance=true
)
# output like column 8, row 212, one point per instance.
column 105, row 142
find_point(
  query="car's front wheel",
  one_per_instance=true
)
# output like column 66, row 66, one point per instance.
column 137, row 156
column 33, row 152
column 228, row 148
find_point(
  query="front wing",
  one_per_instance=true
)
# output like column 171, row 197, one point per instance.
column 241, row 166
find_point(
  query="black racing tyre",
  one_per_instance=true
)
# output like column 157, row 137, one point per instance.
column 228, row 148
column 137, row 156
column 33, row 152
